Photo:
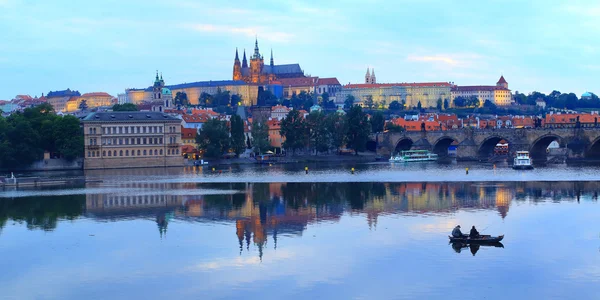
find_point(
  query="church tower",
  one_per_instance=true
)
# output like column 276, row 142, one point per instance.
column 368, row 76
column 373, row 79
column 502, row 82
column 272, row 68
column 157, row 87
column 256, row 65
column 237, row 67
column 244, row 61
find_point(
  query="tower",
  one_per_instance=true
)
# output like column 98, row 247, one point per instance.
column 502, row 82
column 272, row 68
column 373, row 79
column 244, row 61
column 157, row 87
column 368, row 76
column 256, row 65
column 237, row 67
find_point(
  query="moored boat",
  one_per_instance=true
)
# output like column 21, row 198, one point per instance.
column 482, row 239
column 522, row 161
column 413, row 155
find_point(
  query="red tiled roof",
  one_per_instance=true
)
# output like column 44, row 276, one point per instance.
column 301, row 81
column 204, row 111
column 414, row 84
column 188, row 132
column 328, row 81
column 96, row 94
column 195, row 118
column 471, row 88
column 23, row 97
column 502, row 80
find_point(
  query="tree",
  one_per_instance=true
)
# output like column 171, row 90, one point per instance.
column 324, row 98
column 318, row 132
column 236, row 100
column 439, row 104
column 181, row 99
column 213, row 138
column 391, row 127
column 306, row 99
column 419, row 106
column 221, row 98
column 460, row 101
column 446, row 104
column 238, row 141
column 260, row 136
column 125, row 107
column 377, row 122
column 83, row 105
column 294, row 129
column 369, row 102
column 490, row 105
column 338, row 130
column 358, row 129
column 349, row 102
column 395, row 105
column 68, row 137
column 286, row 102
column 205, row 99
column 296, row 101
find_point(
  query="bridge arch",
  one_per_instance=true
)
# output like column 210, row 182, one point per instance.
column 593, row 150
column 486, row 148
column 440, row 147
column 404, row 143
column 538, row 149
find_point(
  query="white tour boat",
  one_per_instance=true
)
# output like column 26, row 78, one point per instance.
column 522, row 161
column 414, row 155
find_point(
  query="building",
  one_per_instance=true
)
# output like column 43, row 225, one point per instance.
column 331, row 86
column 370, row 77
column 586, row 96
column 195, row 121
column 540, row 103
column 310, row 85
column 122, row 98
column 384, row 93
column 279, row 112
column 59, row 99
column 92, row 100
column 259, row 73
column 131, row 140
column 498, row 94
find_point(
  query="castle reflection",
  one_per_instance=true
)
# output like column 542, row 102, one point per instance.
column 263, row 212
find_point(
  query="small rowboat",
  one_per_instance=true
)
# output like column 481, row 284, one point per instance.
column 482, row 239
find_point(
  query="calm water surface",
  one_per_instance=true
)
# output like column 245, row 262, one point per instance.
column 276, row 232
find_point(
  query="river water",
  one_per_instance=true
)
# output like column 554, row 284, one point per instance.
column 276, row 232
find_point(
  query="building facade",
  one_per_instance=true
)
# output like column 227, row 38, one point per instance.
column 383, row 94
column 59, row 99
column 498, row 94
column 131, row 140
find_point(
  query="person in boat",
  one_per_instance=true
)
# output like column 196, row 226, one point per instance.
column 456, row 232
column 474, row 233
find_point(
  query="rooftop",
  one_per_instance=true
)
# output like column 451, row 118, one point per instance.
column 402, row 84
column 129, row 116
column 206, row 84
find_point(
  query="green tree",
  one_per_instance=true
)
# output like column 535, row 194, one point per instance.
column 490, row 105
column 83, row 105
column 294, row 129
column 221, row 98
column 446, row 104
column 358, row 129
column 349, row 102
column 395, row 105
column 260, row 137
column 419, row 106
column 68, row 137
column 319, row 138
column 369, row 102
column 377, row 122
column 391, row 127
column 125, row 107
column 213, row 138
column 181, row 99
column 296, row 102
column 439, row 104
column 324, row 98
column 338, row 130
column 236, row 100
column 205, row 100
column 238, row 140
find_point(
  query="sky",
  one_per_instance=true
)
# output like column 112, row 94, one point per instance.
column 111, row 45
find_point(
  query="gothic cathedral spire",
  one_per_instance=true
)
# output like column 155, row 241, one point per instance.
column 272, row 58
column 368, row 76
column 244, row 61
column 256, row 52
column 237, row 58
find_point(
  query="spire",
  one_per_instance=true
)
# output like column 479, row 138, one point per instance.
column 161, row 76
column 237, row 58
column 244, row 61
column 156, row 75
column 256, row 52
column 272, row 58
column 368, row 73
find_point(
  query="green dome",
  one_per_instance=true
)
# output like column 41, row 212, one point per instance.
column 166, row 91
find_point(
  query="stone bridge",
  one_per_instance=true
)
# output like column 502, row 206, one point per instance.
column 478, row 144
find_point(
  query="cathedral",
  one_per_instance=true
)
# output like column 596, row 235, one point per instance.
column 259, row 73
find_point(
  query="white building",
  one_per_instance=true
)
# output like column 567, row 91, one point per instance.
column 498, row 94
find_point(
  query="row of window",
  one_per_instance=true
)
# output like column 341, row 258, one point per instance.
column 121, row 153
column 133, row 141
column 130, row 129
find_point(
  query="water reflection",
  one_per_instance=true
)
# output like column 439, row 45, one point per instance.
column 473, row 248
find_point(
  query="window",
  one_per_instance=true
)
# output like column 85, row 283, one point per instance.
column 109, row 153
column 138, row 153
column 98, row 153
column 90, row 130
column 120, row 141
column 161, row 151
column 138, row 141
column 160, row 129
column 155, row 152
column 144, row 141
column 89, row 154
column 126, row 152
column 145, row 152
column 169, row 152
column 104, row 153
column 160, row 140
column 115, row 153
column 177, row 151
column 121, row 153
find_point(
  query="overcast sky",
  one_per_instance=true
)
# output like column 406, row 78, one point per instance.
column 111, row 45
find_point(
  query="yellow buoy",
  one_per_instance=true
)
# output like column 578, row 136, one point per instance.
column 352, row 170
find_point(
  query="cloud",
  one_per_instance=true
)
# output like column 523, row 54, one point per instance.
column 265, row 33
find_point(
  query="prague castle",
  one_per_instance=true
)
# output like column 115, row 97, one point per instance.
column 259, row 73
